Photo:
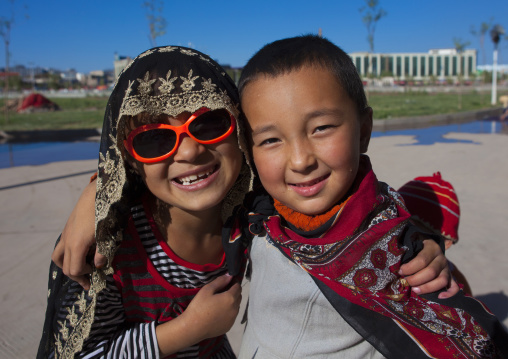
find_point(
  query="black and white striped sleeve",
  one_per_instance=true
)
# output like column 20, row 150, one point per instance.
column 112, row 337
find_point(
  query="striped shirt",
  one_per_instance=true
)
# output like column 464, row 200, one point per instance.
column 151, row 285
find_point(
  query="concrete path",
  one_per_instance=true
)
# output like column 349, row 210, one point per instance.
column 36, row 200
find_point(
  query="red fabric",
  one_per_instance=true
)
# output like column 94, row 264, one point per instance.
column 433, row 201
column 34, row 100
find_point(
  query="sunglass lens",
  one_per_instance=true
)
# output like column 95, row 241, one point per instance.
column 154, row 143
column 210, row 125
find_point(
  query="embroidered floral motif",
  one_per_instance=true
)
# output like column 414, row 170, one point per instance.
column 188, row 52
column 145, row 85
column 167, row 83
column 167, row 49
column 188, row 83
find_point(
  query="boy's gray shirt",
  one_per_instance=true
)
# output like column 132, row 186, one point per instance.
column 289, row 317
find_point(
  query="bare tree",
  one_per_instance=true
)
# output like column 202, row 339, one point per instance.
column 484, row 27
column 372, row 13
column 460, row 46
column 156, row 21
column 6, row 23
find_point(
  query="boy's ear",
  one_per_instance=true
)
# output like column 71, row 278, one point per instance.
column 366, row 129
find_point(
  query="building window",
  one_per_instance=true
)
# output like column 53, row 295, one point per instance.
column 439, row 66
column 431, row 66
column 454, row 65
column 358, row 62
column 422, row 65
column 374, row 65
column 470, row 64
column 406, row 65
column 447, row 66
column 415, row 66
column 399, row 66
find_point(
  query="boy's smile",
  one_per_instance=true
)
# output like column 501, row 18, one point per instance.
column 307, row 137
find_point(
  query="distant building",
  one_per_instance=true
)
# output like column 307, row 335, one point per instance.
column 120, row 63
column 438, row 63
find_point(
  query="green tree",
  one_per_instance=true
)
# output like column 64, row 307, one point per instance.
column 156, row 21
column 460, row 46
column 372, row 13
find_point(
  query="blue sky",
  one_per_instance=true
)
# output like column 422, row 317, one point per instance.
column 85, row 34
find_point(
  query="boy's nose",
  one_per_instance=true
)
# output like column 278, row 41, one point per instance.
column 301, row 157
column 188, row 149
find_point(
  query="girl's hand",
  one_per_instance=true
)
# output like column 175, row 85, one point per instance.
column 429, row 272
column 211, row 313
column 77, row 240
column 215, row 307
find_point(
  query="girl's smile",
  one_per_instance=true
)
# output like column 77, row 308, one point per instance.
column 196, row 179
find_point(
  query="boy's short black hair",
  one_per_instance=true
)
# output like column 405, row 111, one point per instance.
column 286, row 55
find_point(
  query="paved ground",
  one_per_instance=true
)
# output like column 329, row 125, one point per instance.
column 37, row 199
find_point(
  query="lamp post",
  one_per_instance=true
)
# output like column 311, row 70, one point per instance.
column 495, row 34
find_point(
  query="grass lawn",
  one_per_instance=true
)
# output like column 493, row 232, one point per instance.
column 88, row 112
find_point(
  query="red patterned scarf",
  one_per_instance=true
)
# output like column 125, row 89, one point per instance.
column 359, row 257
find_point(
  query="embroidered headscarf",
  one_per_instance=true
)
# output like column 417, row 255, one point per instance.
column 161, row 81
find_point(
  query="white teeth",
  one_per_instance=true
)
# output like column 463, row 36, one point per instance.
column 194, row 178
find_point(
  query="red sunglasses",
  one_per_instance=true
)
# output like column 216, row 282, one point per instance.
column 157, row 141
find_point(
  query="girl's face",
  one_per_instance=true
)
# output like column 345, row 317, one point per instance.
column 196, row 177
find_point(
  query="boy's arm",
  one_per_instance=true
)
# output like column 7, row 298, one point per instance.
column 429, row 271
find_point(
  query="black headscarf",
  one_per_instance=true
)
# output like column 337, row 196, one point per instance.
column 163, row 80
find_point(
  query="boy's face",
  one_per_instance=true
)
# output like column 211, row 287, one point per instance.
column 306, row 137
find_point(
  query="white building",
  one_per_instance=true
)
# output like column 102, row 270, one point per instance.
column 440, row 63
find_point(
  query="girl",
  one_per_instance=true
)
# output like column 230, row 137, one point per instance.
column 170, row 170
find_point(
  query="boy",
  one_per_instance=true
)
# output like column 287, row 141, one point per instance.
column 329, row 217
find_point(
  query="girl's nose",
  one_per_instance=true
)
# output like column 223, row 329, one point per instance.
column 188, row 149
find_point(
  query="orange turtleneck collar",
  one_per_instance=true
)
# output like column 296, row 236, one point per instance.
column 306, row 222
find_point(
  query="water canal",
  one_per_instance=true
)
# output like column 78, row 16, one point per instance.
column 38, row 153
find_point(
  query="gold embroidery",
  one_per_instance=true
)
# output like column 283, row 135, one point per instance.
column 167, row 84
column 55, row 273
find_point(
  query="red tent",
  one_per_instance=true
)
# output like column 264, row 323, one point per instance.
column 36, row 102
